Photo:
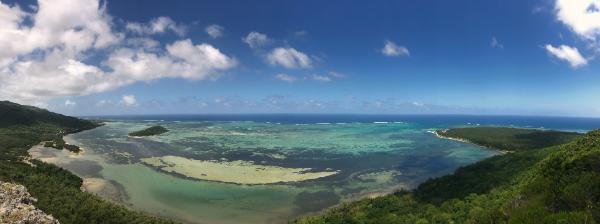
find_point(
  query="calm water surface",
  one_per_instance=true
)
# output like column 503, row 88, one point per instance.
column 374, row 154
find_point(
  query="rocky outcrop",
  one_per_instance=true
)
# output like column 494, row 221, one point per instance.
column 16, row 206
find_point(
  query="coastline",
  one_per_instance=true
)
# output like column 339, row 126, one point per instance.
column 61, row 157
column 98, row 186
column 91, row 183
column 437, row 134
column 104, row 188
column 440, row 134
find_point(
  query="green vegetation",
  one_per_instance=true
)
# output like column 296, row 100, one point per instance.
column 510, row 139
column 72, row 148
column 59, row 143
column 154, row 130
column 556, row 184
column 57, row 190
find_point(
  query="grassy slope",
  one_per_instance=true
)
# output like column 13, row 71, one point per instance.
column 57, row 190
column 558, row 184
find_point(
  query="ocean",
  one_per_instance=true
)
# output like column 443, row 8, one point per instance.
column 271, row 168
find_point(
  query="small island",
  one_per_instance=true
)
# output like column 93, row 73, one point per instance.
column 154, row 130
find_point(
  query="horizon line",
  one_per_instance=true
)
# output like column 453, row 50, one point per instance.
column 353, row 114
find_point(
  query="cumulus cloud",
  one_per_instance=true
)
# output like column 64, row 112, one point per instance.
column 75, row 25
column 391, row 49
column 566, row 53
column 288, row 58
column 44, row 58
column 129, row 100
column 255, row 39
column 582, row 16
column 156, row 25
column 183, row 59
column 214, row 30
column 286, row 78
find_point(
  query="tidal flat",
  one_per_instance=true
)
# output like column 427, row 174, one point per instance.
column 237, row 172
column 255, row 172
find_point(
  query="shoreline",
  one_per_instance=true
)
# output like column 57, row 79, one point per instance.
column 441, row 136
column 95, row 185
column 92, row 184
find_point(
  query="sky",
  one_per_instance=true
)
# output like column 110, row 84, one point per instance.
column 511, row 57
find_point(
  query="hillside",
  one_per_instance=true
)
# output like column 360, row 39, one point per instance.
column 57, row 190
column 557, row 184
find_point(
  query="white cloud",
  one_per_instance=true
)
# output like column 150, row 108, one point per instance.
column 286, row 78
column 391, row 49
column 495, row 44
column 569, row 54
column 321, row 78
column 288, row 58
column 214, row 31
column 74, row 25
column 255, row 39
column 129, row 100
column 156, row 25
column 580, row 16
column 44, row 58
column 69, row 103
column 198, row 61
column 183, row 60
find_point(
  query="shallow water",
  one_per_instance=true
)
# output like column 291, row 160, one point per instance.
column 371, row 158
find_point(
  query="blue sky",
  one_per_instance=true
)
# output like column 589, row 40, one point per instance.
column 391, row 57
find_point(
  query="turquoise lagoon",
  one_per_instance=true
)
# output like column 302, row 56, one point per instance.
column 370, row 158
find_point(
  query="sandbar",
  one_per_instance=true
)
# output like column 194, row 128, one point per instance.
column 239, row 172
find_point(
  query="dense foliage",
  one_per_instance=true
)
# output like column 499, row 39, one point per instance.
column 154, row 130
column 59, row 143
column 57, row 190
column 511, row 139
column 558, row 184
